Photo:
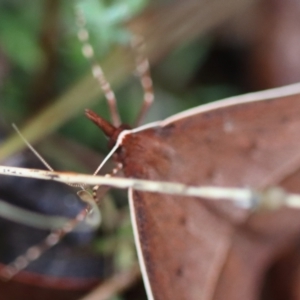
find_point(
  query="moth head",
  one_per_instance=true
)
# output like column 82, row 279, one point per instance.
column 111, row 132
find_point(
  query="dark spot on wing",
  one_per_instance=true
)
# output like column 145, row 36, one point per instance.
column 284, row 119
column 179, row 272
column 182, row 220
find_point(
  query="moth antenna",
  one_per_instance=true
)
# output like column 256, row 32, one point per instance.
column 89, row 54
column 112, row 151
column 143, row 71
column 34, row 252
column 44, row 162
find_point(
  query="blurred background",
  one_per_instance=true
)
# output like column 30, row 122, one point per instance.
column 199, row 50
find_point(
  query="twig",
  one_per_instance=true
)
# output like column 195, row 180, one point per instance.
column 271, row 198
column 115, row 285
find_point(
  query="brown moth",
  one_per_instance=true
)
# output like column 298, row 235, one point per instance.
column 193, row 249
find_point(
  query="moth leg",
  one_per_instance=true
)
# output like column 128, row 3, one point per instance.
column 34, row 252
column 143, row 71
column 99, row 190
column 88, row 52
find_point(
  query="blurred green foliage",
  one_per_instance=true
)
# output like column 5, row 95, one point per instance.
column 18, row 33
column 22, row 45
